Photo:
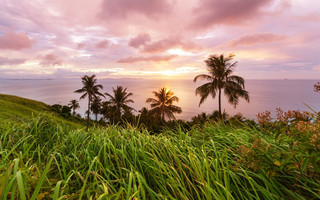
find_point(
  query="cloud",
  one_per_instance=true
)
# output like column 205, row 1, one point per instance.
column 256, row 38
column 15, row 41
column 213, row 12
column 139, row 40
column 8, row 61
column 103, row 44
column 310, row 17
column 316, row 68
column 111, row 9
column 168, row 43
column 81, row 45
column 50, row 60
column 155, row 58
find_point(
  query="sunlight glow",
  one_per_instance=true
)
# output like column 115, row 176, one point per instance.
column 179, row 52
column 77, row 38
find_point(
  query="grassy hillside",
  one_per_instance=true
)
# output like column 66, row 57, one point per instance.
column 18, row 110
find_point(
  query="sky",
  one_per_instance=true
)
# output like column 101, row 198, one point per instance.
column 271, row 39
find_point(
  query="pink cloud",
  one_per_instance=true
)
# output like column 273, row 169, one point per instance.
column 8, row 61
column 124, row 8
column 155, row 58
column 310, row 17
column 256, row 38
column 212, row 12
column 168, row 43
column 50, row 60
column 81, row 45
column 15, row 41
column 103, row 44
column 139, row 40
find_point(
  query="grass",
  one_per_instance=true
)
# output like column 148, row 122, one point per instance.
column 45, row 159
column 18, row 110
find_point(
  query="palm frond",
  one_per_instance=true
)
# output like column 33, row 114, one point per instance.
column 203, row 77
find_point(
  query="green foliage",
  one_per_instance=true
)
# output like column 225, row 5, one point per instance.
column 18, row 110
column 116, row 108
column 46, row 159
column 66, row 111
column 301, row 132
column 56, row 108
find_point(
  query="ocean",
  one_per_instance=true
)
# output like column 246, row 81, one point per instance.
column 264, row 94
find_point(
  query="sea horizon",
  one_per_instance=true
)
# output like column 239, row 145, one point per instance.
column 265, row 94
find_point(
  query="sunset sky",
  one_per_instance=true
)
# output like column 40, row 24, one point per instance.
column 272, row 39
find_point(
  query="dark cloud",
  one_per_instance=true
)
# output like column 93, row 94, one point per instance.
column 123, row 8
column 213, row 12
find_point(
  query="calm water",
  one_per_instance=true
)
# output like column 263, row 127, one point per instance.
column 264, row 94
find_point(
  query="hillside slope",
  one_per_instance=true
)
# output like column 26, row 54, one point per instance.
column 17, row 109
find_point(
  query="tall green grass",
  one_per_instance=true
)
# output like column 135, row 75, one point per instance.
column 45, row 159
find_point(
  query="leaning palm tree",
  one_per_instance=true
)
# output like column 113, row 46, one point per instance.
column 74, row 104
column 118, row 102
column 91, row 89
column 220, row 78
column 162, row 105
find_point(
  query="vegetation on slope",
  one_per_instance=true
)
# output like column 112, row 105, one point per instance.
column 43, row 159
column 18, row 110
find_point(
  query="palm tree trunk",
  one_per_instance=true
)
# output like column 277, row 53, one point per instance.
column 220, row 115
column 96, row 116
column 162, row 114
column 88, row 113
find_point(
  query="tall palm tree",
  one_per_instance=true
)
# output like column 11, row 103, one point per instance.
column 91, row 89
column 162, row 105
column 74, row 104
column 96, row 106
column 220, row 78
column 118, row 102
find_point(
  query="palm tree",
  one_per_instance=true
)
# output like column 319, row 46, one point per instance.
column 107, row 111
column 91, row 89
column 317, row 87
column 74, row 104
column 96, row 106
column 220, row 78
column 146, row 117
column 162, row 105
column 118, row 102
